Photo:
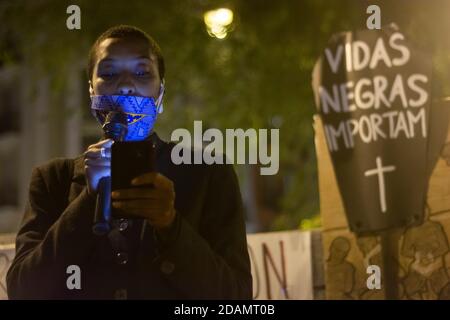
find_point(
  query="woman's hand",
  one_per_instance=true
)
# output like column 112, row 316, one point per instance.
column 97, row 164
column 153, row 199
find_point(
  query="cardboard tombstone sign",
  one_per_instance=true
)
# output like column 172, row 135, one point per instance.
column 372, row 90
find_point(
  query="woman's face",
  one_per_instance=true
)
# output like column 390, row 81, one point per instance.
column 125, row 67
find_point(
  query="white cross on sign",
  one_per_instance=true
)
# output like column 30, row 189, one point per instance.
column 380, row 170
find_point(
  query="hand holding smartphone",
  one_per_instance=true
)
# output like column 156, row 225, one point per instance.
column 129, row 160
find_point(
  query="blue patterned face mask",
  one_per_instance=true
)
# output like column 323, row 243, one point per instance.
column 141, row 112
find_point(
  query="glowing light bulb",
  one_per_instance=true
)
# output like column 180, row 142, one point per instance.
column 218, row 22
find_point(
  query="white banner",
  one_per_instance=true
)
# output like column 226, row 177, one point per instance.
column 281, row 265
column 6, row 256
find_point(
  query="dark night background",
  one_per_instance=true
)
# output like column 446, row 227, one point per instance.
column 258, row 76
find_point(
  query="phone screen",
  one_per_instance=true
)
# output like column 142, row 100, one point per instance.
column 129, row 160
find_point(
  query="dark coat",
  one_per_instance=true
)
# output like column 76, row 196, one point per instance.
column 204, row 256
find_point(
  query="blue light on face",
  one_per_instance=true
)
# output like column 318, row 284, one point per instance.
column 141, row 113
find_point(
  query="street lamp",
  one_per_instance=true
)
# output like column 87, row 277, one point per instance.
column 218, row 22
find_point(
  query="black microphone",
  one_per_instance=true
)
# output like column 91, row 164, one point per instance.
column 115, row 128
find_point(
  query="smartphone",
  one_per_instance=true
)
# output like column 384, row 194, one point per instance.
column 129, row 159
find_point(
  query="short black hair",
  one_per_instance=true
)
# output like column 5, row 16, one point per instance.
column 121, row 32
